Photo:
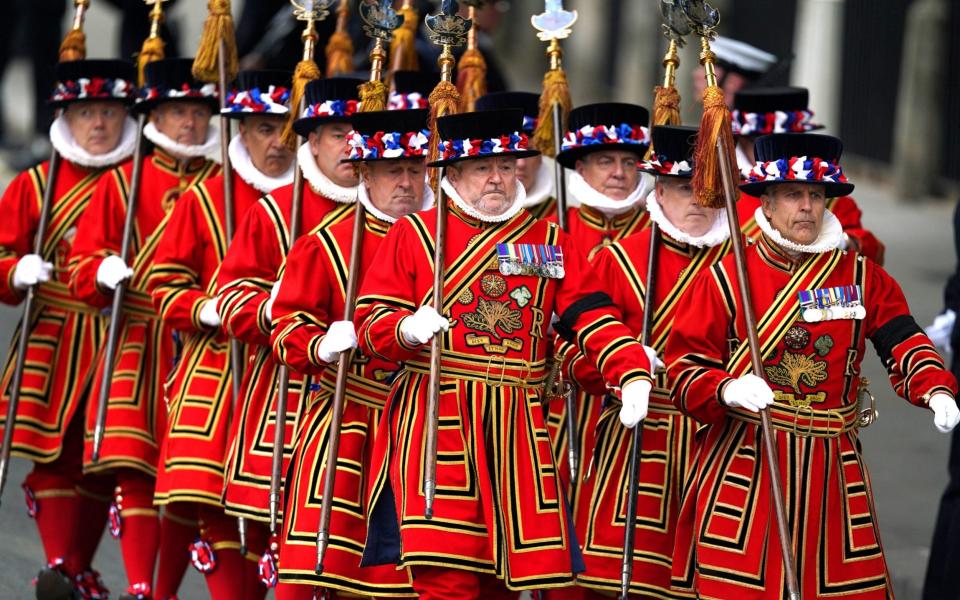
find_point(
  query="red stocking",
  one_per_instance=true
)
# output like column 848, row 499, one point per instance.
column 178, row 529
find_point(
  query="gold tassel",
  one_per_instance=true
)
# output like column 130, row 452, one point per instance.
column 306, row 71
column 666, row 106
column 715, row 125
column 555, row 90
column 218, row 26
column 373, row 96
column 339, row 53
column 444, row 100
column 74, row 46
column 471, row 79
column 151, row 50
column 403, row 46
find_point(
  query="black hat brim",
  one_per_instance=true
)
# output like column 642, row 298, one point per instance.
column 656, row 173
column 145, row 106
column 55, row 104
column 830, row 189
column 516, row 154
column 307, row 125
column 568, row 158
column 238, row 115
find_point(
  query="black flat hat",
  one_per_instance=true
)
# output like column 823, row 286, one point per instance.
column 171, row 80
column 782, row 148
column 242, row 103
column 404, row 134
column 629, row 122
column 528, row 102
column 754, row 108
column 671, row 144
column 94, row 80
column 328, row 100
column 486, row 130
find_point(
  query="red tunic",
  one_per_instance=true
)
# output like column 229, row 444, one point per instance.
column 544, row 210
column 667, row 451
column 246, row 277
column 311, row 297
column 65, row 334
column 726, row 541
column 499, row 507
column 136, row 411
column 846, row 210
column 199, row 393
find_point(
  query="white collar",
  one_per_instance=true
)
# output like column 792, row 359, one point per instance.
column 364, row 198
column 62, row 139
column 511, row 212
column 718, row 233
column 244, row 167
column 184, row 151
column 543, row 184
column 320, row 183
column 830, row 238
column 581, row 190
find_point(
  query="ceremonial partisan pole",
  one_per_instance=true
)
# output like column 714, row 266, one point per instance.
column 553, row 25
column 665, row 112
column 471, row 68
column 380, row 20
column 72, row 48
column 310, row 11
column 448, row 30
column 713, row 184
column 116, row 307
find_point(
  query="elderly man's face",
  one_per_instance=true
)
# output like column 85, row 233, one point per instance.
column 489, row 185
column 96, row 126
column 261, row 136
column 185, row 122
column 732, row 83
column 612, row 173
column 395, row 186
column 795, row 210
column 680, row 206
column 329, row 146
column 527, row 169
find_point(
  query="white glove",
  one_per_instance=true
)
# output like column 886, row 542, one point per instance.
column 340, row 336
column 420, row 327
column 112, row 271
column 749, row 392
column 31, row 269
column 208, row 313
column 268, row 309
column 939, row 331
column 945, row 412
column 655, row 363
column 635, row 399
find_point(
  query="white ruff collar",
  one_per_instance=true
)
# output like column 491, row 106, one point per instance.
column 364, row 198
column 830, row 238
column 581, row 190
column 243, row 165
column 320, row 183
column 511, row 212
column 543, row 185
column 63, row 140
column 718, row 233
column 183, row 151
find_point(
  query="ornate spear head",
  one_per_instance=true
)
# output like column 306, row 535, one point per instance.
column 379, row 19
column 311, row 10
column 554, row 23
column 447, row 28
column 703, row 17
column 675, row 23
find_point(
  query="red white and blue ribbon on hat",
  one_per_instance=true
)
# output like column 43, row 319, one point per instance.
column 752, row 123
column 590, row 135
column 797, row 168
column 410, row 101
column 529, row 123
column 474, row 148
column 272, row 101
column 679, row 168
column 390, row 144
column 332, row 108
column 93, row 88
column 208, row 90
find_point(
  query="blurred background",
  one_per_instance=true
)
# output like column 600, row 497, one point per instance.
column 884, row 75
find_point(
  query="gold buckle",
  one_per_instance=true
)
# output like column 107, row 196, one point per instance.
column 830, row 415
column 503, row 369
column 796, row 417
